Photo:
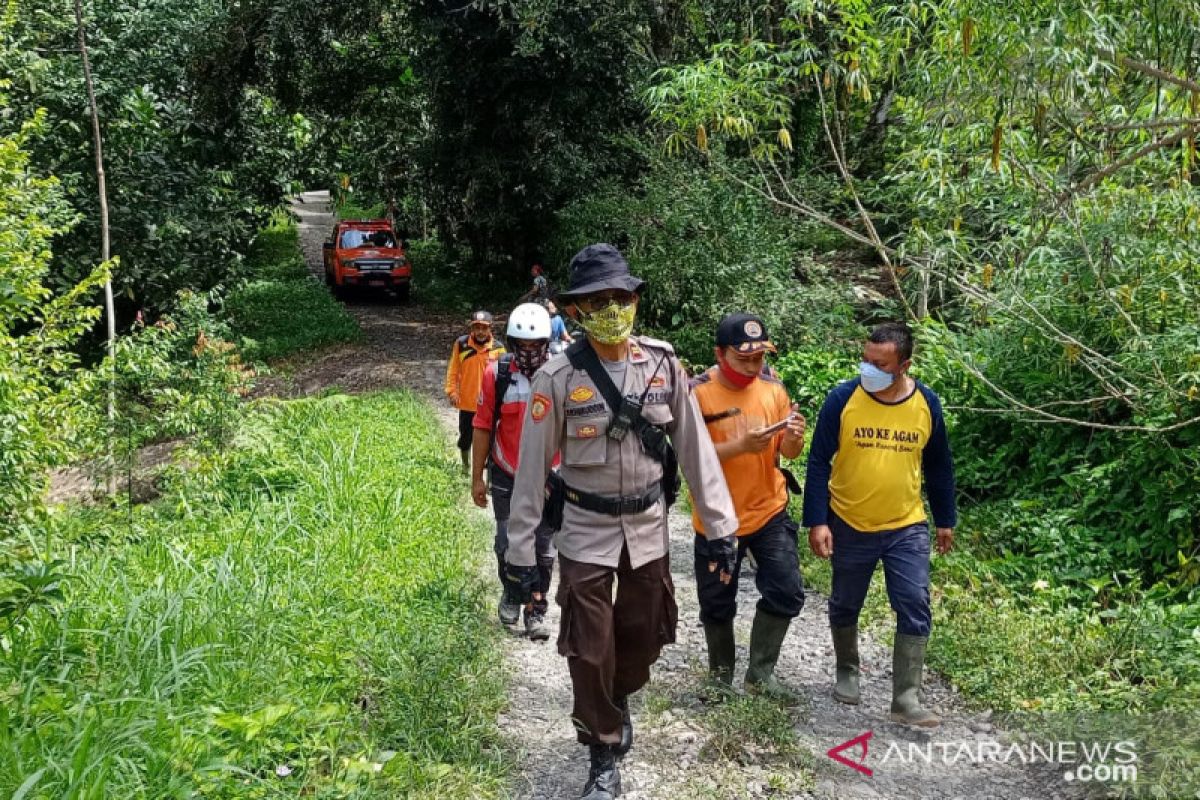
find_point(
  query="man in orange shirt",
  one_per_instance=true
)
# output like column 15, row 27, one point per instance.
column 469, row 357
column 741, row 403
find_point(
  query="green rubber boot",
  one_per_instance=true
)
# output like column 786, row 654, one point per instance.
column 721, row 659
column 908, row 662
column 766, row 640
column 845, row 650
column 719, row 636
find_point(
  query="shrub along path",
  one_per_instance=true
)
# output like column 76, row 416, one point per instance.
column 743, row 748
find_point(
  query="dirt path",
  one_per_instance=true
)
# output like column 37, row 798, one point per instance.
column 684, row 748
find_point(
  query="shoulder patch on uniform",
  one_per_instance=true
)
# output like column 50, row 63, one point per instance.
column 701, row 379
column 657, row 344
column 539, row 406
column 581, row 394
column 556, row 363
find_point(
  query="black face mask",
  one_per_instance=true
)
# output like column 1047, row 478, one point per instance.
column 529, row 359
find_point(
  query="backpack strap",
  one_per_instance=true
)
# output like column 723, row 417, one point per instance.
column 503, row 381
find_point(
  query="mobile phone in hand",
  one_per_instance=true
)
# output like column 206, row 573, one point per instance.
column 778, row 426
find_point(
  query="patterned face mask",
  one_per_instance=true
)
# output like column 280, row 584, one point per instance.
column 529, row 359
column 611, row 324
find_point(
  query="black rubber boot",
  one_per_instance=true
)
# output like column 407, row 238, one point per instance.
column 845, row 650
column 626, row 727
column 466, row 461
column 604, row 779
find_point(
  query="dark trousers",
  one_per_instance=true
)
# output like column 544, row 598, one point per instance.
column 466, row 429
column 609, row 644
column 777, row 575
column 502, row 485
column 905, row 556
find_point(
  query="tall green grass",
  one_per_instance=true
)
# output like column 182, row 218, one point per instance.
column 299, row 617
column 279, row 309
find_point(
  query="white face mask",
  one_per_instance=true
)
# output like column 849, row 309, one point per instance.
column 874, row 379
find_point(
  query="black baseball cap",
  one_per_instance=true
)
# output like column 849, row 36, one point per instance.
column 745, row 333
column 598, row 267
column 481, row 317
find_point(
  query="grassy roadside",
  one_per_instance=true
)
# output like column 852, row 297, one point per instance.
column 280, row 310
column 1017, row 645
column 299, row 616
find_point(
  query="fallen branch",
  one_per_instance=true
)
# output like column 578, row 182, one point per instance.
column 1149, row 124
column 1096, row 177
column 1147, row 69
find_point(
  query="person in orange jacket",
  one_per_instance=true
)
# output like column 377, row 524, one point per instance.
column 469, row 357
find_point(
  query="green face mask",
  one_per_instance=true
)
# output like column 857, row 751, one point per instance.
column 611, row 324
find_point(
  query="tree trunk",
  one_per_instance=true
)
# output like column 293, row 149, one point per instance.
column 662, row 30
column 105, row 254
column 870, row 142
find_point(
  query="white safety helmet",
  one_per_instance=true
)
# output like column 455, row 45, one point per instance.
column 528, row 321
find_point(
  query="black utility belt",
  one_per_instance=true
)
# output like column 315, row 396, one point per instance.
column 613, row 506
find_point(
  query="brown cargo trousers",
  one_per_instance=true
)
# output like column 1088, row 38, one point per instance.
column 610, row 645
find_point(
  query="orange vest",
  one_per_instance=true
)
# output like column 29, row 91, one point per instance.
column 464, row 372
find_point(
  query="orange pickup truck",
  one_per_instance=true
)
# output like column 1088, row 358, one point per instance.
column 364, row 254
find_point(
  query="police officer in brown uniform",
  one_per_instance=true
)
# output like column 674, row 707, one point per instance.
column 608, row 403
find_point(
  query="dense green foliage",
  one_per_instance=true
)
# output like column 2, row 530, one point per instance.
column 195, row 156
column 1020, row 182
column 1034, row 220
column 281, row 622
column 279, row 309
column 41, row 390
column 705, row 250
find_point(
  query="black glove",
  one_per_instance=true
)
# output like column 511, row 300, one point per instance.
column 519, row 581
column 723, row 552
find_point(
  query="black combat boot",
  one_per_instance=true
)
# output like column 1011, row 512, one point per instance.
column 604, row 780
column 626, row 727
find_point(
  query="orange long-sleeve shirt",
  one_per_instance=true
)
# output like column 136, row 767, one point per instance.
column 464, row 372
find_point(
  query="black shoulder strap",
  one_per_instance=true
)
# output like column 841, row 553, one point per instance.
column 583, row 357
column 503, row 381
column 653, row 438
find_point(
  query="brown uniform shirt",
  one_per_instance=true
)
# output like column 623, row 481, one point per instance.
column 567, row 412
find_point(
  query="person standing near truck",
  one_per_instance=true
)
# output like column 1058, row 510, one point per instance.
column 469, row 357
